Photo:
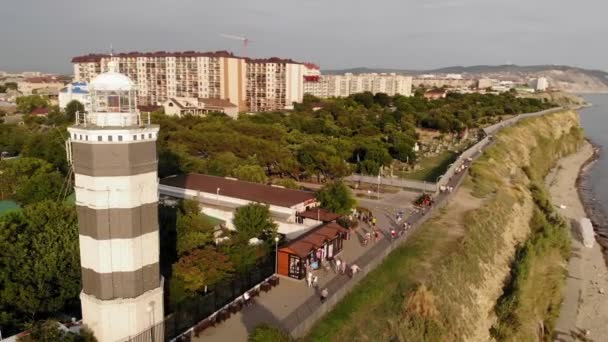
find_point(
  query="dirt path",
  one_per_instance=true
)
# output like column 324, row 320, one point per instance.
column 584, row 311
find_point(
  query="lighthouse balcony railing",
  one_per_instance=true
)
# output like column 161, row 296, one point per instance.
column 137, row 119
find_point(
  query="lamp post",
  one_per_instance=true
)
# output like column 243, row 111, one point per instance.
column 217, row 197
column 378, row 186
column 276, row 254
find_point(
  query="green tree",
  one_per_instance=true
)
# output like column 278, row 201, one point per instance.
column 193, row 229
column 47, row 331
column 336, row 197
column 39, row 260
column 254, row 221
column 251, row 173
column 29, row 180
column 26, row 104
column 71, row 108
column 11, row 85
column 202, row 267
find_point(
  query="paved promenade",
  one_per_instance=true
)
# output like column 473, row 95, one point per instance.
column 293, row 302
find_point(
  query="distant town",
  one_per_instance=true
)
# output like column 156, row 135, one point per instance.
column 202, row 82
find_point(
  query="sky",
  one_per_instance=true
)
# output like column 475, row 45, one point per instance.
column 407, row 34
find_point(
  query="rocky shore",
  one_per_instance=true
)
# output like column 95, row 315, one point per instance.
column 593, row 208
column 584, row 309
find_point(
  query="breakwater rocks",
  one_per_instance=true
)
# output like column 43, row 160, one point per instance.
column 593, row 208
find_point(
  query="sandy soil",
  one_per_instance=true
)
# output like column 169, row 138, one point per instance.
column 584, row 311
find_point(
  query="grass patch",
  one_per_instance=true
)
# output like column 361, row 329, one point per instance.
column 431, row 167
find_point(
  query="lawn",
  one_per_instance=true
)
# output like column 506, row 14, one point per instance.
column 431, row 167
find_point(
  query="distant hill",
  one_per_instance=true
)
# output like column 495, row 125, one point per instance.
column 567, row 78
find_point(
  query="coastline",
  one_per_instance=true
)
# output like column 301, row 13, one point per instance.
column 584, row 308
column 593, row 208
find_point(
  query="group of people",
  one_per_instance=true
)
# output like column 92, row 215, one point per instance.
column 340, row 267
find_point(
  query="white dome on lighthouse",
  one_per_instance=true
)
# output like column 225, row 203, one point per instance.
column 112, row 80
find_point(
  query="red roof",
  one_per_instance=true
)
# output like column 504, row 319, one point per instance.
column 315, row 238
column 319, row 214
column 221, row 103
column 92, row 58
column 240, row 189
column 40, row 111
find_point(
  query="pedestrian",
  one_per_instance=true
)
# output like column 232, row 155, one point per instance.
column 315, row 282
column 324, row 295
column 309, row 279
column 376, row 235
column 368, row 237
column 393, row 233
column 354, row 269
column 343, row 267
column 246, row 298
column 337, row 265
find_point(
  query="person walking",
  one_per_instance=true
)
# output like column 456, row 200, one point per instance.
column 247, row 298
column 315, row 282
column 309, row 279
column 324, row 295
column 343, row 267
column 337, row 265
column 354, row 269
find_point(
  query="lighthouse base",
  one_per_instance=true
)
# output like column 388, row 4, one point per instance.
column 123, row 318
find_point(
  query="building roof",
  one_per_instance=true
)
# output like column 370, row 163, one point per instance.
column 315, row 238
column 112, row 81
column 40, row 111
column 93, row 58
column 319, row 214
column 222, row 103
column 240, row 189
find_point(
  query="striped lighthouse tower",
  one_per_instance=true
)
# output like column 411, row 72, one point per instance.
column 113, row 152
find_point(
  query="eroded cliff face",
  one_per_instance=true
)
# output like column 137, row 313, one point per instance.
column 468, row 280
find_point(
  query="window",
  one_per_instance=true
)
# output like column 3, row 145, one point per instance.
column 135, row 137
column 150, row 136
column 86, row 137
column 75, row 136
column 80, row 137
column 120, row 138
column 143, row 136
column 109, row 138
column 99, row 138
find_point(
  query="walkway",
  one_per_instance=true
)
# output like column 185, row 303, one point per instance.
column 292, row 302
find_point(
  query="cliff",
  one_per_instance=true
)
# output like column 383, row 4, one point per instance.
column 500, row 279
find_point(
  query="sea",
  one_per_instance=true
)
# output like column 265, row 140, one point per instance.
column 594, row 120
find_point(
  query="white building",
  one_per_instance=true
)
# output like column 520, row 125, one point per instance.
column 220, row 196
column 539, row 84
column 76, row 91
column 180, row 106
column 347, row 84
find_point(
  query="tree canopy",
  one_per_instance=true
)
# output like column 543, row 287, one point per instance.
column 29, row 180
column 202, row 267
column 363, row 133
column 39, row 262
column 336, row 197
column 254, row 221
column 26, row 104
column 193, row 229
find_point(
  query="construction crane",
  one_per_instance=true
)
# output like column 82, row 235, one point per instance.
column 245, row 41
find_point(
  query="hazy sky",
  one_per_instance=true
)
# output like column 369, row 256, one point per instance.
column 45, row 34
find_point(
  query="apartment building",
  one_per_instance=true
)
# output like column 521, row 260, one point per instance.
column 347, row 84
column 251, row 84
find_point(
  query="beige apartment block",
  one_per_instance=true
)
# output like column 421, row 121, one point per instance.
column 251, row 84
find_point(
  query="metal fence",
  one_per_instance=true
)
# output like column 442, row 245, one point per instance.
column 191, row 311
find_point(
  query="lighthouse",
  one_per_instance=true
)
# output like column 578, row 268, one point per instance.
column 112, row 148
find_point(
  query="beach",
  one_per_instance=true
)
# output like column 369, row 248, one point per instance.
column 584, row 310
